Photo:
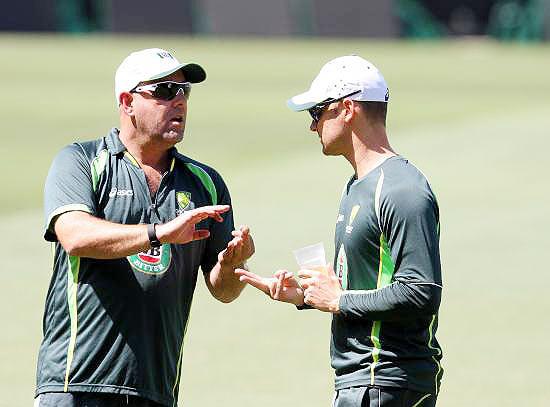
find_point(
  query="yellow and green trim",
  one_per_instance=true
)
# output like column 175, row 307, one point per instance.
column 386, row 269
column 419, row 402
column 437, row 350
column 72, row 288
column 206, row 180
column 98, row 166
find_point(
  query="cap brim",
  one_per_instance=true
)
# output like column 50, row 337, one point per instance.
column 193, row 73
column 303, row 101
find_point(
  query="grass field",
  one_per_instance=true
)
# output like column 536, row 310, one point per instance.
column 473, row 115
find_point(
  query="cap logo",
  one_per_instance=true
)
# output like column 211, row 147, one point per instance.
column 387, row 97
column 165, row 54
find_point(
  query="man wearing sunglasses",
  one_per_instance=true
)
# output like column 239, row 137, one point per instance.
column 385, row 293
column 132, row 220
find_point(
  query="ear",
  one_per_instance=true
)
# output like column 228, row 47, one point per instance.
column 349, row 110
column 126, row 103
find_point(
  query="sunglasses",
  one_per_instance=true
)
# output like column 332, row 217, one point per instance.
column 165, row 90
column 317, row 111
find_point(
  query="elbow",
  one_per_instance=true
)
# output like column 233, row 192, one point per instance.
column 72, row 236
column 428, row 299
column 226, row 295
column 75, row 246
column 226, row 299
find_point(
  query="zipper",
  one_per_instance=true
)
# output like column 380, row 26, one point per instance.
column 153, row 208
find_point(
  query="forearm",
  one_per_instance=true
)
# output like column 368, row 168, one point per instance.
column 394, row 302
column 84, row 235
column 223, row 283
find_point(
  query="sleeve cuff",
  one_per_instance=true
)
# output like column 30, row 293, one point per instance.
column 343, row 303
column 49, row 232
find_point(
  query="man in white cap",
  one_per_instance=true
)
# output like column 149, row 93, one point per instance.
column 132, row 220
column 385, row 293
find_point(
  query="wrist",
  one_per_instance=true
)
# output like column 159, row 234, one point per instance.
column 334, row 305
column 299, row 300
column 152, row 235
column 160, row 232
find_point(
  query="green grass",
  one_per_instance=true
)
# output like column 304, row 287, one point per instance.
column 473, row 115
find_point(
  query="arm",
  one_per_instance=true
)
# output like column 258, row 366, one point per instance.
column 412, row 283
column 281, row 287
column 71, row 202
column 397, row 301
column 222, row 282
column 84, row 235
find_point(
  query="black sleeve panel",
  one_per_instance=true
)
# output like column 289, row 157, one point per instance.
column 409, row 217
column 395, row 302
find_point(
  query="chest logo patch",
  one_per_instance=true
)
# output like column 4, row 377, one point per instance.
column 352, row 216
column 183, row 199
column 156, row 260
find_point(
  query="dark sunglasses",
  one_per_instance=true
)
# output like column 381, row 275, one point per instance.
column 165, row 90
column 317, row 111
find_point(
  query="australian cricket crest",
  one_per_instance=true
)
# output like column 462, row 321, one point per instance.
column 183, row 199
column 156, row 260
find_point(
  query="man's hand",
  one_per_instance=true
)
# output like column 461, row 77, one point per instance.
column 281, row 287
column 321, row 290
column 238, row 250
column 182, row 228
column 221, row 280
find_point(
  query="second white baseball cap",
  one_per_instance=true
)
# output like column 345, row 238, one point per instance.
column 340, row 77
column 150, row 64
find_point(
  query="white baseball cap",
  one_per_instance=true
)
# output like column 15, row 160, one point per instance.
column 340, row 77
column 149, row 64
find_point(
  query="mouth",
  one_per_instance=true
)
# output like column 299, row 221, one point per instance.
column 176, row 120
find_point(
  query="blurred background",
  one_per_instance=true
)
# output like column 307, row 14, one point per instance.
column 502, row 19
column 470, row 106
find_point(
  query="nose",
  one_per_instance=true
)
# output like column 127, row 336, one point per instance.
column 180, row 99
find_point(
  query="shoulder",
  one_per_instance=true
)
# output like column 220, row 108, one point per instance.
column 197, row 167
column 402, row 178
column 82, row 150
column 404, row 187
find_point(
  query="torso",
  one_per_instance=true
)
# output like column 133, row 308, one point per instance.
column 131, row 312
column 369, row 255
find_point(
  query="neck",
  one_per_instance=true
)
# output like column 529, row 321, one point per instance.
column 146, row 152
column 370, row 148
